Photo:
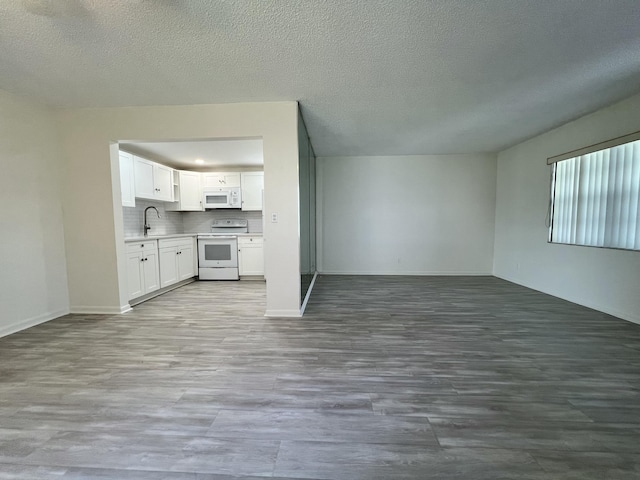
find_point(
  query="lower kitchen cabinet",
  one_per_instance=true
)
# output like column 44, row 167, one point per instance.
column 177, row 260
column 250, row 256
column 142, row 268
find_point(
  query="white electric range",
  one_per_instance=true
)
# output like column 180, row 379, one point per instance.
column 218, row 250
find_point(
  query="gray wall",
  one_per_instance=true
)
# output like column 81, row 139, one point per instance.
column 93, row 183
column 33, row 271
column 414, row 215
column 603, row 279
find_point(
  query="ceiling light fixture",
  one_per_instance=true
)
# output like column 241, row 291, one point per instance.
column 199, row 161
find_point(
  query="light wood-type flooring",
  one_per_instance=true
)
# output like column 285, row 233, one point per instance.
column 383, row 378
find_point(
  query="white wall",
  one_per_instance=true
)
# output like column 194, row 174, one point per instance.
column 95, row 247
column 421, row 215
column 33, row 276
column 603, row 279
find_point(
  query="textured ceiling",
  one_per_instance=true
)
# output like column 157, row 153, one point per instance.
column 217, row 153
column 374, row 77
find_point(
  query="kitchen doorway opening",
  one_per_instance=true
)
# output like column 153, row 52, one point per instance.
column 178, row 201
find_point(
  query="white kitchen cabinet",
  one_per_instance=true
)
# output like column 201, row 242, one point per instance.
column 127, row 185
column 143, row 174
column 152, row 180
column 142, row 268
column 168, row 266
column 187, row 192
column 163, row 182
column 187, row 260
column 220, row 179
column 177, row 260
column 151, row 271
column 135, row 274
column 250, row 255
column 252, row 188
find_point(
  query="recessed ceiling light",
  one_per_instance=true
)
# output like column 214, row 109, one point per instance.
column 199, row 161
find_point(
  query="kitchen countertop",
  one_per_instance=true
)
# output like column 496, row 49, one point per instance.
column 180, row 235
column 159, row 237
column 250, row 234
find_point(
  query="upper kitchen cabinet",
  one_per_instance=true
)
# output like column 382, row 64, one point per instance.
column 152, row 180
column 252, row 190
column 143, row 170
column 127, row 185
column 187, row 192
column 220, row 179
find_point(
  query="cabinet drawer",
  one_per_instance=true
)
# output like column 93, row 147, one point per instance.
column 249, row 241
column 141, row 246
column 175, row 242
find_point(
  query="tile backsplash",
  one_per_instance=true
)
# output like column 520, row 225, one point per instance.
column 200, row 222
column 168, row 223
column 180, row 222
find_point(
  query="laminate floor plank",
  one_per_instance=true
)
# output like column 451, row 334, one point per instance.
column 383, row 378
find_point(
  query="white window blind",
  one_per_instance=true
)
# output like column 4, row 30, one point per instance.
column 596, row 198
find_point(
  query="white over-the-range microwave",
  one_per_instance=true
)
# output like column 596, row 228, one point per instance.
column 223, row 197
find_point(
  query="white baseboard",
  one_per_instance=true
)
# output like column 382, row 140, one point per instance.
column 629, row 317
column 283, row 313
column 408, row 274
column 137, row 301
column 90, row 310
column 31, row 322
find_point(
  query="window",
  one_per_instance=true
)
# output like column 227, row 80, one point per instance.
column 595, row 195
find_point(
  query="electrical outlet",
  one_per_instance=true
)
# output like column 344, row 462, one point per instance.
column 274, row 218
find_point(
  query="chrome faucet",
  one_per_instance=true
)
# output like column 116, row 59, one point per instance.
column 146, row 225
